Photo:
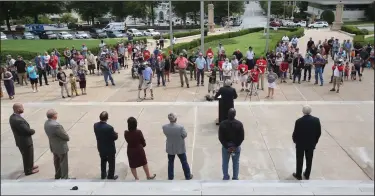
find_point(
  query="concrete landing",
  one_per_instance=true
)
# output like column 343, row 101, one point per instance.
column 193, row 187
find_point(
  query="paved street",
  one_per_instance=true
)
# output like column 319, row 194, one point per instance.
column 253, row 16
column 345, row 150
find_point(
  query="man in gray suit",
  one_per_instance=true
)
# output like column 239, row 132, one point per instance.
column 58, row 141
column 22, row 134
column 175, row 145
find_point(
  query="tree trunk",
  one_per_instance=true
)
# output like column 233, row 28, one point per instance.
column 93, row 20
column 36, row 19
column 152, row 14
column 195, row 18
column 7, row 19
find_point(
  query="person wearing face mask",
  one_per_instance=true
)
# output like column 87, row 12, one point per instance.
column 307, row 68
column 297, row 67
column 22, row 135
column 234, row 63
column 200, row 63
column 227, row 70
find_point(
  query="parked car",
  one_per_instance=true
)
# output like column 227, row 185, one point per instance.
column 81, row 35
column 150, row 32
column 47, row 35
column 134, row 32
column 97, row 33
column 64, row 35
column 319, row 24
column 294, row 23
column 28, row 35
column 3, row 36
column 115, row 34
column 275, row 24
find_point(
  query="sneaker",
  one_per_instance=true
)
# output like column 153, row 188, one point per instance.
column 337, row 91
column 242, row 90
column 63, row 97
column 34, row 91
column 69, row 96
column 247, row 90
column 332, row 90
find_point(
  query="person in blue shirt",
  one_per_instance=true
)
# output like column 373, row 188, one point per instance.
column 147, row 75
column 200, row 63
column 33, row 76
column 307, row 68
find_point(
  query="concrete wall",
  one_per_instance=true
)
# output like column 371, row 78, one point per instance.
column 348, row 15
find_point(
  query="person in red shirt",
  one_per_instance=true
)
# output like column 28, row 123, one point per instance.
column 130, row 51
column 53, row 63
column 244, row 71
column 210, row 57
column 337, row 69
column 254, row 75
column 262, row 66
column 284, row 69
column 146, row 55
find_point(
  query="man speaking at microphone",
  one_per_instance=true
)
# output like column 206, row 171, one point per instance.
column 227, row 96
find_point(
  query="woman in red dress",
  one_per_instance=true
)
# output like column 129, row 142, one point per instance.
column 136, row 154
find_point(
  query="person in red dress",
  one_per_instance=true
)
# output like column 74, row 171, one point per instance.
column 254, row 75
column 136, row 153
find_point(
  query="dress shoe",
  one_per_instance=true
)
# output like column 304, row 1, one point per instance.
column 114, row 177
column 190, row 177
column 306, row 177
column 32, row 172
column 297, row 177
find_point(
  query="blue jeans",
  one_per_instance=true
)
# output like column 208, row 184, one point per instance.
column 160, row 74
column 108, row 74
column 184, row 163
column 235, row 161
column 319, row 71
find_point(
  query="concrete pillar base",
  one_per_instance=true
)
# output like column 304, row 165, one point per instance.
column 211, row 24
column 336, row 26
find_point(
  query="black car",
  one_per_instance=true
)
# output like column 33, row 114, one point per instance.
column 47, row 35
column 97, row 33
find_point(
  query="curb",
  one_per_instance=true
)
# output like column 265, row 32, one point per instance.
column 346, row 33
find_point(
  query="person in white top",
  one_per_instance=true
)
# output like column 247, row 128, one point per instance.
column 285, row 39
column 250, row 58
column 102, row 44
column 294, row 42
column 234, row 63
column 227, row 70
column 220, row 49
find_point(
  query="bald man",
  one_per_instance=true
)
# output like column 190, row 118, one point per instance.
column 307, row 131
column 58, row 142
column 22, row 134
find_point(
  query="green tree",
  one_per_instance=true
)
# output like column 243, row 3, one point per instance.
column 138, row 9
column 36, row 8
column 369, row 12
column 302, row 5
column 120, row 9
column 90, row 10
column 277, row 7
column 150, row 11
column 181, row 9
column 235, row 7
column 328, row 16
column 68, row 18
column 8, row 10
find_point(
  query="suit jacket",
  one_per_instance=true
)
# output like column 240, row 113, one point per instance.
column 21, row 131
column 307, row 131
column 57, row 136
column 176, row 135
column 105, row 137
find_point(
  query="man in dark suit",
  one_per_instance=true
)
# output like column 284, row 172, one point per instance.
column 307, row 131
column 226, row 102
column 22, row 134
column 105, row 137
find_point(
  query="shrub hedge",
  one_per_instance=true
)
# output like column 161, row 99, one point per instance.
column 359, row 40
column 179, row 34
column 177, row 48
column 31, row 55
column 354, row 30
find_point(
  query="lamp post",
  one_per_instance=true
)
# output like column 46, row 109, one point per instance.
column 170, row 25
column 268, row 25
column 202, row 26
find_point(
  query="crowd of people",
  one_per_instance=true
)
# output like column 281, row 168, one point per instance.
column 286, row 61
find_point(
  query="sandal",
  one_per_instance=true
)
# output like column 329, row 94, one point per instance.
column 152, row 177
column 267, row 97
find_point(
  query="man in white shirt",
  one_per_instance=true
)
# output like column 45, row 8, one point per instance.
column 250, row 58
column 285, row 39
column 227, row 70
column 102, row 44
column 220, row 49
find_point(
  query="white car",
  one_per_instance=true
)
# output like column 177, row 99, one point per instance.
column 3, row 36
column 319, row 24
column 134, row 32
column 81, row 35
column 64, row 35
column 150, row 32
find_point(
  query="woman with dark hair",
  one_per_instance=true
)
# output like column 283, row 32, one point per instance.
column 8, row 82
column 136, row 154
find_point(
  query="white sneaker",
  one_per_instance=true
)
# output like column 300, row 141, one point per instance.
column 34, row 91
column 37, row 90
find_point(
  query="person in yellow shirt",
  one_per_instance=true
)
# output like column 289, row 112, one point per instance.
column 73, row 84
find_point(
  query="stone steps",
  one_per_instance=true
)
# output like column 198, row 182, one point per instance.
column 193, row 187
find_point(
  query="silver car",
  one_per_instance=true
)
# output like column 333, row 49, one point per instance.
column 81, row 35
column 64, row 35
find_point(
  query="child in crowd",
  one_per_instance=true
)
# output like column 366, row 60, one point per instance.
column 353, row 73
column 82, row 79
column 212, row 80
column 346, row 71
column 73, row 85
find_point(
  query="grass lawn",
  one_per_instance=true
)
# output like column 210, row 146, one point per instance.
column 255, row 40
column 369, row 40
column 42, row 45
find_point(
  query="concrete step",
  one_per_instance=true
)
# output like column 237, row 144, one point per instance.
column 193, row 187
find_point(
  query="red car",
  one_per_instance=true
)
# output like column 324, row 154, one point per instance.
column 275, row 24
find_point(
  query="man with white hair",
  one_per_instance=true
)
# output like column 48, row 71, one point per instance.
column 58, row 142
column 175, row 145
column 227, row 70
column 307, row 131
column 227, row 96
